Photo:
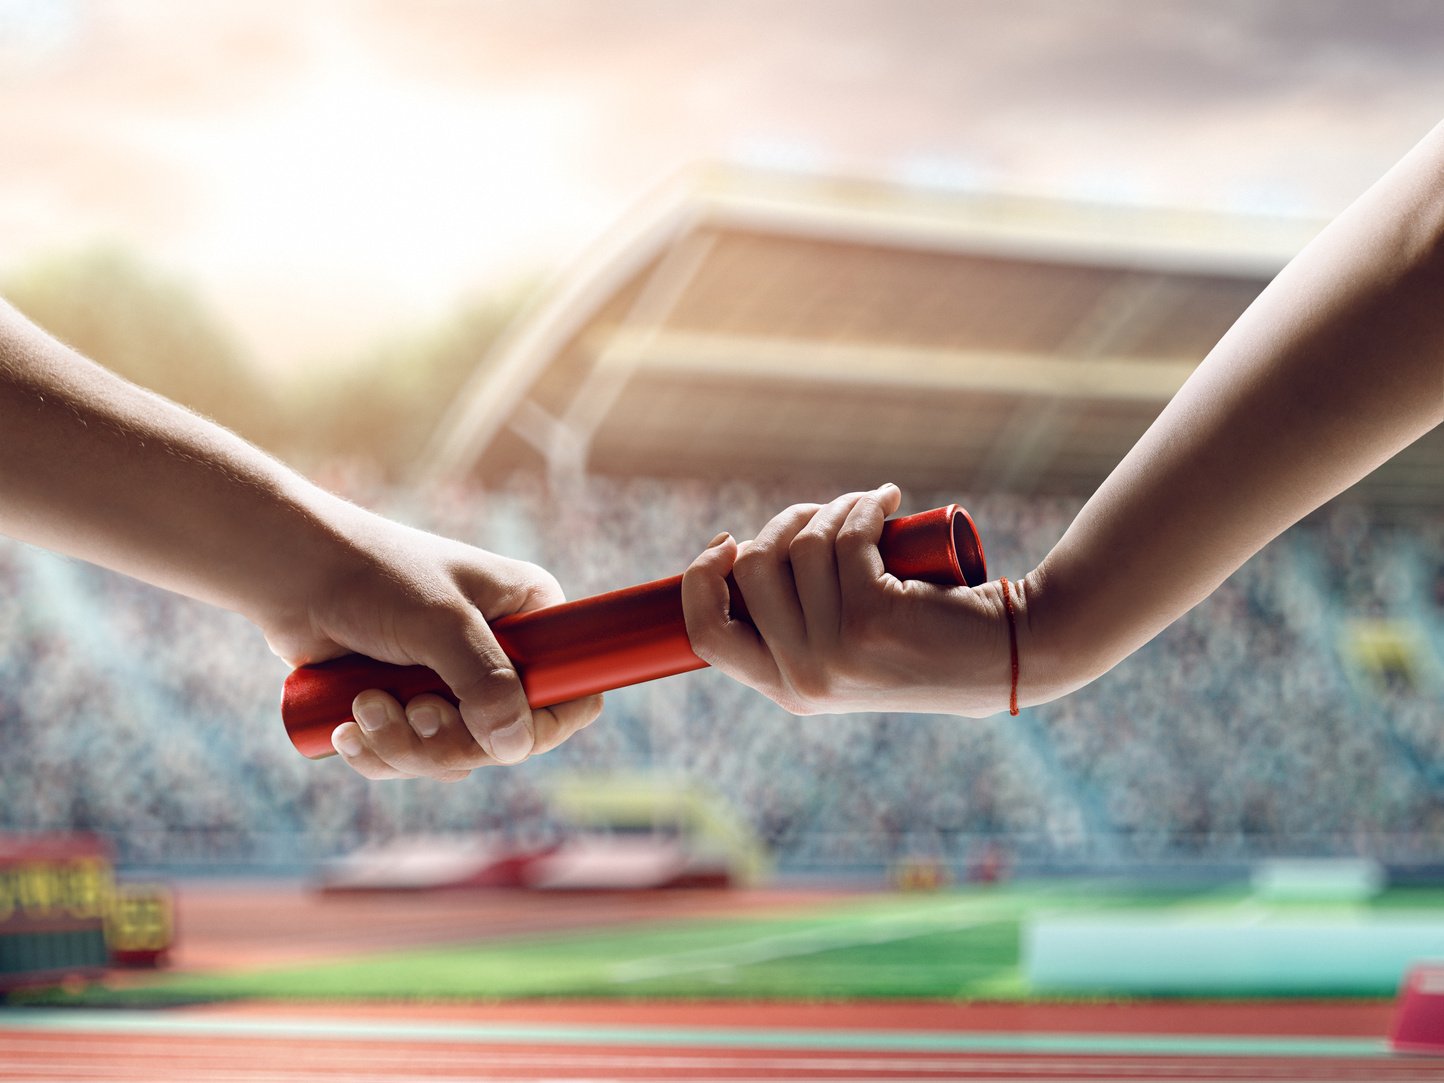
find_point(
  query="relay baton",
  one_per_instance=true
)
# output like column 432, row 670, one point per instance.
column 607, row 641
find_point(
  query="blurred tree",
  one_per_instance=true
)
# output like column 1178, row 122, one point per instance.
column 384, row 408
column 151, row 329
column 377, row 411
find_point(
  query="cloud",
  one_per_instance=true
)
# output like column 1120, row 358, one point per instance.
column 463, row 141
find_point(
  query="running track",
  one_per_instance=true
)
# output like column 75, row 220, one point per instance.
column 1279, row 1043
column 631, row 1040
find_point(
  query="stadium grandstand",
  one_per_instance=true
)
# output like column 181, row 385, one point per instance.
column 761, row 325
column 744, row 343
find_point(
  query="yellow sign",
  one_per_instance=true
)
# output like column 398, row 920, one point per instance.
column 47, row 890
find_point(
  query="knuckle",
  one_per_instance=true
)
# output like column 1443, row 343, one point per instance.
column 809, row 543
column 810, row 686
column 553, row 728
column 794, row 704
column 539, row 581
column 589, row 711
column 784, row 523
column 706, row 643
column 459, row 757
column 493, row 685
column 750, row 561
column 375, row 770
column 380, row 742
column 553, row 725
column 853, row 537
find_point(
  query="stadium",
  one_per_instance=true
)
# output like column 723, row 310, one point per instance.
column 1224, row 860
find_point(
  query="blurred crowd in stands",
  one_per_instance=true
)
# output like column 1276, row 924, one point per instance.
column 1250, row 728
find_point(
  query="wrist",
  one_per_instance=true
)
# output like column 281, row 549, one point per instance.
column 315, row 535
column 1051, row 660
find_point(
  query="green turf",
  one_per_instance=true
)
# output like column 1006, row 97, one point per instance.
column 950, row 945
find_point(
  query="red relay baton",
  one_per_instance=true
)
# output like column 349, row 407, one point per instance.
column 607, row 641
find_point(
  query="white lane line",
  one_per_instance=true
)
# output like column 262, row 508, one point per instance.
column 131, row 1060
column 131, row 1023
column 1064, row 1074
column 139, row 1055
column 877, row 929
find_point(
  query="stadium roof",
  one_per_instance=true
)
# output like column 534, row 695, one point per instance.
column 762, row 326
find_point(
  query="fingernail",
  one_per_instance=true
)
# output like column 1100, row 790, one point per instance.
column 370, row 715
column 512, row 744
column 883, row 488
column 719, row 539
column 426, row 720
column 345, row 741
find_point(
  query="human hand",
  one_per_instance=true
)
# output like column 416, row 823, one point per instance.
column 407, row 597
column 832, row 631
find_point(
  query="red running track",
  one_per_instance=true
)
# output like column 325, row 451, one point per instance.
column 1280, row 1043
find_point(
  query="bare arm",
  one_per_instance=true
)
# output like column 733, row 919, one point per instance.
column 100, row 469
column 1335, row 367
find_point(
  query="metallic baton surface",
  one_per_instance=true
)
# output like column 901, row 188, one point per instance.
column 607, row 641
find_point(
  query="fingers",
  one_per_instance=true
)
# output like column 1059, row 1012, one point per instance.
column 494, row 723
column 426, row 740
column 763, row 570
column 351, row 746
column 494, row 707
column 859, row 564
column 494, row 717
column 811, row 572
column 411, row 598
column 503, row 586
column 795, row 577
column 814, row 568
column 430, row 740
column 557, row 723
column 792, row 574
column 733, row 646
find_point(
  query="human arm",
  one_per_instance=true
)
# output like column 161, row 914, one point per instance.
column 97, row 468
column 1334, row 368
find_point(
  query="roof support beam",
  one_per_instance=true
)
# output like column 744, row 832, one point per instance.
column 606, row 380
column 1037, row 429
column 880, row 365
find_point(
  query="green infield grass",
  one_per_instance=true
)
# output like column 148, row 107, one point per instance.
column 948, row 945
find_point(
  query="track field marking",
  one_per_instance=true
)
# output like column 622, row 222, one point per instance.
column 419, row 1059
column 874, row 929
column 285, row 1061
column 1058, row 1074
column 133, row 1023
column 360, row 1058
column 222, row 1067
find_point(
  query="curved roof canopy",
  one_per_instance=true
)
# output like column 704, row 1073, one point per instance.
column 740, row 325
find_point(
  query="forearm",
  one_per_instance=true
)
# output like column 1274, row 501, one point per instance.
column 95, row 467
column 100, row 469
column 1336, row 366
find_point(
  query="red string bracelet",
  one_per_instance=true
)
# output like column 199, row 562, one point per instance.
column 1012, row 641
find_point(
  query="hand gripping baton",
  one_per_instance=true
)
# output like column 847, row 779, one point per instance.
column 607, row 641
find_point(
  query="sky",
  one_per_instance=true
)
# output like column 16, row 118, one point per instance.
column 331, row 172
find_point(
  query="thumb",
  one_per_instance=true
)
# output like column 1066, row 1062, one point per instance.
column 489, row 691
column 859, row 564
column 500, row 586
column 733, row 646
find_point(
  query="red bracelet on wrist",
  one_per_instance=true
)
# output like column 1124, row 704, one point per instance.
column 1012, row 642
